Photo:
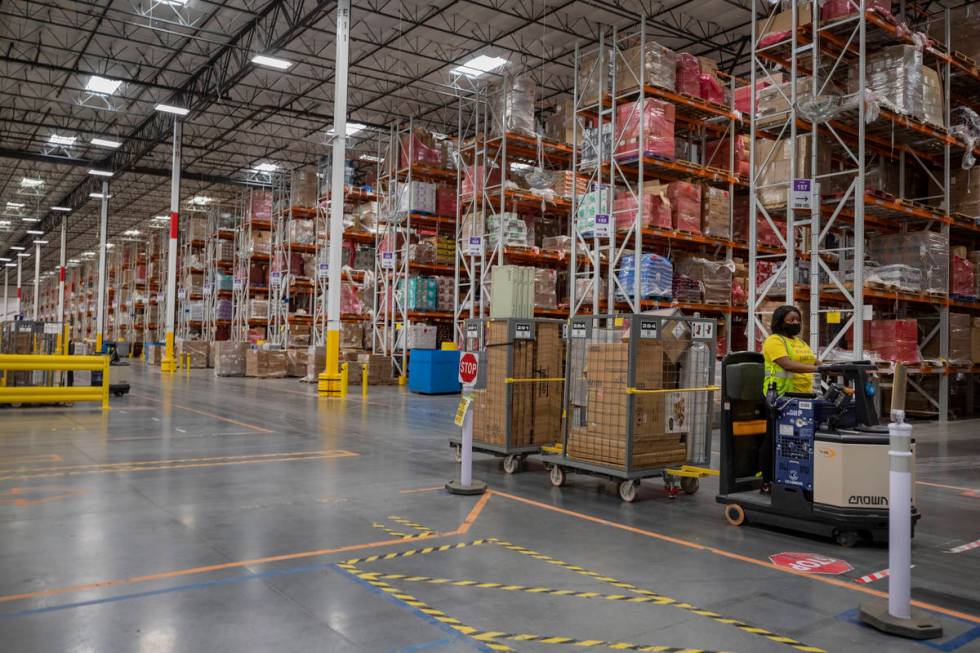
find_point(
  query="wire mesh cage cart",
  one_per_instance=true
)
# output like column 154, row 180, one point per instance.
column 520, row 408
column 638, row 400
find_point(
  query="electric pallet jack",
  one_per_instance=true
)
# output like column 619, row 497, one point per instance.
column 830, row 475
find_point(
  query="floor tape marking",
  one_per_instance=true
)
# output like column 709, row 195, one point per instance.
column 800, row 646
column 412, row 552
column 965, row 547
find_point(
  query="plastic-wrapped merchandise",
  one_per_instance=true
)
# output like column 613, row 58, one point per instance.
column 350, row 299
column 560, row 125
column 197, row 229
column 476, row 177
column 300, row 232
column 258, row 309
column 743, row 94
column 657, row 63
column 685, row 206
column 959, row 339
column 422, row 294
column 740, row 291
column 656, row 276
column 261, row 242
column 446, row 288
column 445, row 249
column 962, row 280
column 893, row 340
column 710, row 88
column 446, row 201
column 932, row 98
column 223, row 309
column 594, row 138
column 419, row 336
column 904, row 278
column 260, row 205
column 194, row 350
column 833, row 9
column 561, row 244
column 229, row 358
column 514, row 105
column 416, row 197
column 685, row 289
column 714, row 278
column 774, row 101
column 657, row 138
column 774, row 180
column 595, row 74
column 351, row 335
column 545, row 288
column 587, row 207
column 715, row 208
column 265, row 363
column 420, row 147
column 883, row 176
column 894, row 75
column 964, row 192
column 423, row 251
column 925, row 250
column 717, row 152
column 655, row 207
column 509, row 228
column 224, row 250
column 687, row 74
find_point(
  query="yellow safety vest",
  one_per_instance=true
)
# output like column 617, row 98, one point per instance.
column 796, row 350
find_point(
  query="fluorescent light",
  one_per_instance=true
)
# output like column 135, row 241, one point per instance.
column 24, row 254
column 87, row 254
column 18, row 248
column 271, row 62
column 266, row 167
column 131, row 232
column 169, row 108
column 100, row 173
column 109, row 245
column 15, row 205
column 200, row 199
column 369, row 157
column 35, row 232
column 479, row 65
column 30, row 219
column 352, row 128
column 11, row 265
column 74, row 260
column 57, row 139
column 4, row 259
column 40, row 242
column 96, row 196
column 60, row 208
column 103, row 142
column 102, row 85
column 31, row 182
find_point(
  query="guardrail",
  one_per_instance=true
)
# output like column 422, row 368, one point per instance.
column 54, row 394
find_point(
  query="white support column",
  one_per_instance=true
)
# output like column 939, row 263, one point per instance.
column 6, row 271
column 20, row 267
column 169, row 362
column 37, row 280
column 100, row 296
column 61, row 270
column 331, row 382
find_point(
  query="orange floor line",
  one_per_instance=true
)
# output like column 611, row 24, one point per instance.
column 735, row 556
column 955, row 488
column 206, row 414
column 133, row 580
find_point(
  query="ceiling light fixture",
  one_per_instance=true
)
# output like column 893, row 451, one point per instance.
column 266, row 167
column 169, row 108
column 64, row 209
column 4, row 259
column 110, row 245
column 200, row 199
column 479, row 65
column 370, row 157
column 271, row 62
column 104, row 142
column 40, row 242
column 131, row 232
column 102, row 85
column 97, row 196
column 30, row 219
column 100, row 173
column 31, row 182
column 18, row 248
column 58, row 139
column 35, row 232
column 352, row 128
column 15, row 205
column 23, row 254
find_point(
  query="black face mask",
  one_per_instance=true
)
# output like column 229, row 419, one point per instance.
column 792, row 329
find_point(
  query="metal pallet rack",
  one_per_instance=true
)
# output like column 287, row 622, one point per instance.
column 709, row 130
column 832, row 233
column 191, row 261
column 255, row 217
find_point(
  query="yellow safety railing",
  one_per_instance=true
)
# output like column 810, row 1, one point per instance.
column 54, row 394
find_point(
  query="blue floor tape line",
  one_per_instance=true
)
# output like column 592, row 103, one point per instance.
column 472, row 643
column 964, row 638
column 168, row 590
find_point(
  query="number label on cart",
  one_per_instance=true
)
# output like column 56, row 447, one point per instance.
column 649, row 328
column 52, row 328
column 703, row 330
column 523, row 332
column 580, row 330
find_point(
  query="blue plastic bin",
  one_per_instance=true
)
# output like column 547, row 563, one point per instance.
column 433, row 371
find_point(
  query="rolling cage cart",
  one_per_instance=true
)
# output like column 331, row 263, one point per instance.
column 520, row 409
column 639, row 399
column 31, row 337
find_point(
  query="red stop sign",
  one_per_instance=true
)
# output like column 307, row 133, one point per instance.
column 469, row 365
column 811, row 563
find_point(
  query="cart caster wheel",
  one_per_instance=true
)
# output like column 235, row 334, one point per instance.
column 557, row 476
column 734, row 514
column 627, row 491
column 457, row 454
column 847, row 539
column 512, row 464
column 690, row 484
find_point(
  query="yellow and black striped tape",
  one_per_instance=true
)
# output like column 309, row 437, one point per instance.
column 414, row 552
column 663, row 600
column 496, row 636
column 410, row 524
column 394, row 533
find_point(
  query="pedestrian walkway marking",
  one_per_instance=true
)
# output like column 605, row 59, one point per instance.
column 413, row 552
column 496, row 636
column 411, row 524
column 184, row 463
column 965, row 547
column 422, row 531
column 661, row 599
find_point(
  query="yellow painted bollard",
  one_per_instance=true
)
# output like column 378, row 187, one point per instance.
column 343, row 380
column 364, row 380
column 187, row 366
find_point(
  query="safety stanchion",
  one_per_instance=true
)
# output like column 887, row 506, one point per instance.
column 469, row 374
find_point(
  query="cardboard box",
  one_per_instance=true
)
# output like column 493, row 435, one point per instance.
column 265, row 363
column 975, row 340
column 379, row 368
column 297, row 362
column 229, row 358
column 196, row 349
column 783, row 21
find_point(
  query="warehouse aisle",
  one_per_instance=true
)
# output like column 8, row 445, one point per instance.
column 206, row 514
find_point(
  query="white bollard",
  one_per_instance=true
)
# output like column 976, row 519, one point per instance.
column 900, row 521
column 466, row 485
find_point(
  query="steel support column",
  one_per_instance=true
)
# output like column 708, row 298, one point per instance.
column 169, row 362
column 6, row 270
column 61, row 270
column 100, row 296
column 332, row 383
column 37, row 280
column 20, row 268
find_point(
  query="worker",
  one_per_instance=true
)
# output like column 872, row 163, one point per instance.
column 790, row 364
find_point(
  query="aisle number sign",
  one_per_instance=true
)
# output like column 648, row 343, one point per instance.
column 239, row 283
column 474, row 246
column 801, row 194
column 181, row 293
column 275, row 277
column 603, row 229
column 322, row 270
column 387, row 260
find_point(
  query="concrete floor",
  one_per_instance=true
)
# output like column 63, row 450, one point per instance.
column 205, row 514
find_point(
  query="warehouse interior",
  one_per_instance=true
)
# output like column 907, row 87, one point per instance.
column 326, row 322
